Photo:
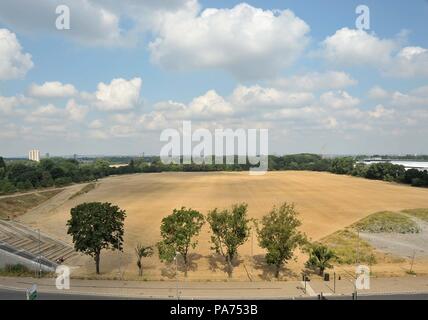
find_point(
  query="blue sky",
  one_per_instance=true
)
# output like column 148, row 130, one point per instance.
column 242, row 66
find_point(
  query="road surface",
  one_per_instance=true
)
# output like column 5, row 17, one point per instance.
column 6, row 294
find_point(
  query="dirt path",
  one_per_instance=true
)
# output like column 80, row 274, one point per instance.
column 50, row 206
column 17, row 194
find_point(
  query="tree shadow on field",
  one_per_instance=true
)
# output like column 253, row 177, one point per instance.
column 218, row 262
column 169, row 271
column 268, row 271
column 191, row 262
column 111, row 261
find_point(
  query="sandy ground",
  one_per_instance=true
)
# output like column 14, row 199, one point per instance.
column 326, row 202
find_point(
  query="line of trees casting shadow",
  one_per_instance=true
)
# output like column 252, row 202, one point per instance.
column 100, row 226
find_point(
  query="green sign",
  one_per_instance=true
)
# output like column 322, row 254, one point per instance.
column 32, row 293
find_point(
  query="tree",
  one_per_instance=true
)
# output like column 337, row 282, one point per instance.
column 47, row 180
column 320, row 257
column 280, row 236
column 343, row 165
column 6, row 187
column 178, row 231
column 142, row 252
column 96, row 226
column 230, row 229
column 2, row 167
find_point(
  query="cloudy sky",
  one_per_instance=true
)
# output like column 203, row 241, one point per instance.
column 301, row 69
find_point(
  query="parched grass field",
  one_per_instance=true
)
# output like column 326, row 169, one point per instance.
column 327, row 203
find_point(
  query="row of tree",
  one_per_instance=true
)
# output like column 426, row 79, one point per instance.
column 26, row 175
column 59, row 172
column 380, row 171
column 97, row 226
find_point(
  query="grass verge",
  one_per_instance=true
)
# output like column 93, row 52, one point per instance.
column 349, row 249
column 19, row 270
column 89, row 187
column 418, row 213
column 12, row 207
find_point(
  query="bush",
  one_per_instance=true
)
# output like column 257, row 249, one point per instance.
column 61, row 182
column 6, row 187
column 24, row 186
column 16, row 270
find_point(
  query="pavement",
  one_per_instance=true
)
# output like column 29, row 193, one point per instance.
column 113, row 289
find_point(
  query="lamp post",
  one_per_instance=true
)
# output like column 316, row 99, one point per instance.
column 176, row 273
column 40, row 255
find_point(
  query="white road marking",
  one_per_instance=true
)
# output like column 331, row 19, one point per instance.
column 309, row 289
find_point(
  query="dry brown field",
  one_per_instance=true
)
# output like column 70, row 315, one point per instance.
column 326, row 203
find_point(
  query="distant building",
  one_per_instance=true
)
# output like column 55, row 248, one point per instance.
column 34, row 155
column 119, row 165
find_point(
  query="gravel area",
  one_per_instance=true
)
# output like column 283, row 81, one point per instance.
column 403, row 245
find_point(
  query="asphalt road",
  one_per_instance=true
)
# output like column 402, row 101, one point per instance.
column 20, row 295
column 416, row 296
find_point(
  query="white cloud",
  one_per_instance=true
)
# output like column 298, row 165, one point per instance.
column 98, row 134
column 120, row 94
column 330, row 123
column 208, row 106
column 295, row 114
column 349, row 47
column 7, row 104
column 123, row 118
column 122, row 131
column 154, row 121
column 380, row 111
column 76, row 112
column 357, row 47
column 316, row 81
column 339, row 100
column 91, row 23
column 257, row 97
column 245, row 41
column 46, row 111
column 96, row 124
column 377, row 93
column 13, row 62
column 410, row 62
column 53, row 89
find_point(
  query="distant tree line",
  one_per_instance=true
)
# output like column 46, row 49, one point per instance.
column 22, row 175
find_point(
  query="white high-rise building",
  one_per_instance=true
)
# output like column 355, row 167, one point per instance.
column 34, row 155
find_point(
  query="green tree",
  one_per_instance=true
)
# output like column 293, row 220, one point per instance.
column 230, row 229
column 320, row 257
column 24, row 186
column 96, row 226
column 344, row 165
column 47, row 180
column 142, row 252
column 6, row 187
column 279, row 235
column 2, row 168
column 178, row 231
